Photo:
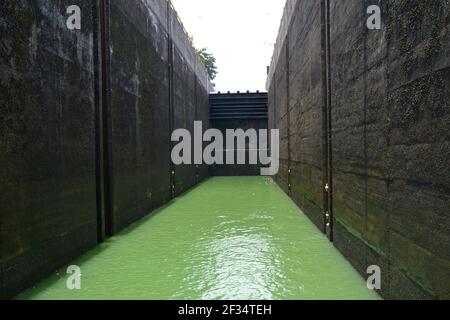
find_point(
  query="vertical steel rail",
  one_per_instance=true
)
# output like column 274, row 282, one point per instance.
column 99, row 150
column 197, row 168
column 326, row 123
column 288, row 116
column 105, row 120
column 171, row 99
column 324, row 114
column 329, row 159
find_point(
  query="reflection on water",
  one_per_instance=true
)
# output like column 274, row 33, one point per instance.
column 234, row 263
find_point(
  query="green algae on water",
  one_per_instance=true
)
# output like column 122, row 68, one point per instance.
column 229, row 238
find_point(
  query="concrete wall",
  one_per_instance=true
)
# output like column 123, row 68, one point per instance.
column 295, row 105
column 390, row 142
column 47, row 130
column 50, row 109
column 158, row 84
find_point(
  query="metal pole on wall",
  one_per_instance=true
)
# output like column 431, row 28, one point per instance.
column 104, row 124
column 288, row 116
column 99, row 151
column 327, row 139
column 171, row 111
column 326, row 123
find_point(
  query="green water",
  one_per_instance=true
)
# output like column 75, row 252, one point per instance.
column 229, row 238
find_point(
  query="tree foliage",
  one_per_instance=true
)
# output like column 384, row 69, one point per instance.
column 209, row 61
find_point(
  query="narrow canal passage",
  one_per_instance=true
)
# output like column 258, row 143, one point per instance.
column 229, row 238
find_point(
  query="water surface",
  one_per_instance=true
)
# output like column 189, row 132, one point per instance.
column 229, row 238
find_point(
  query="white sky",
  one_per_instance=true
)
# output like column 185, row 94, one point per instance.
column 240, row 34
